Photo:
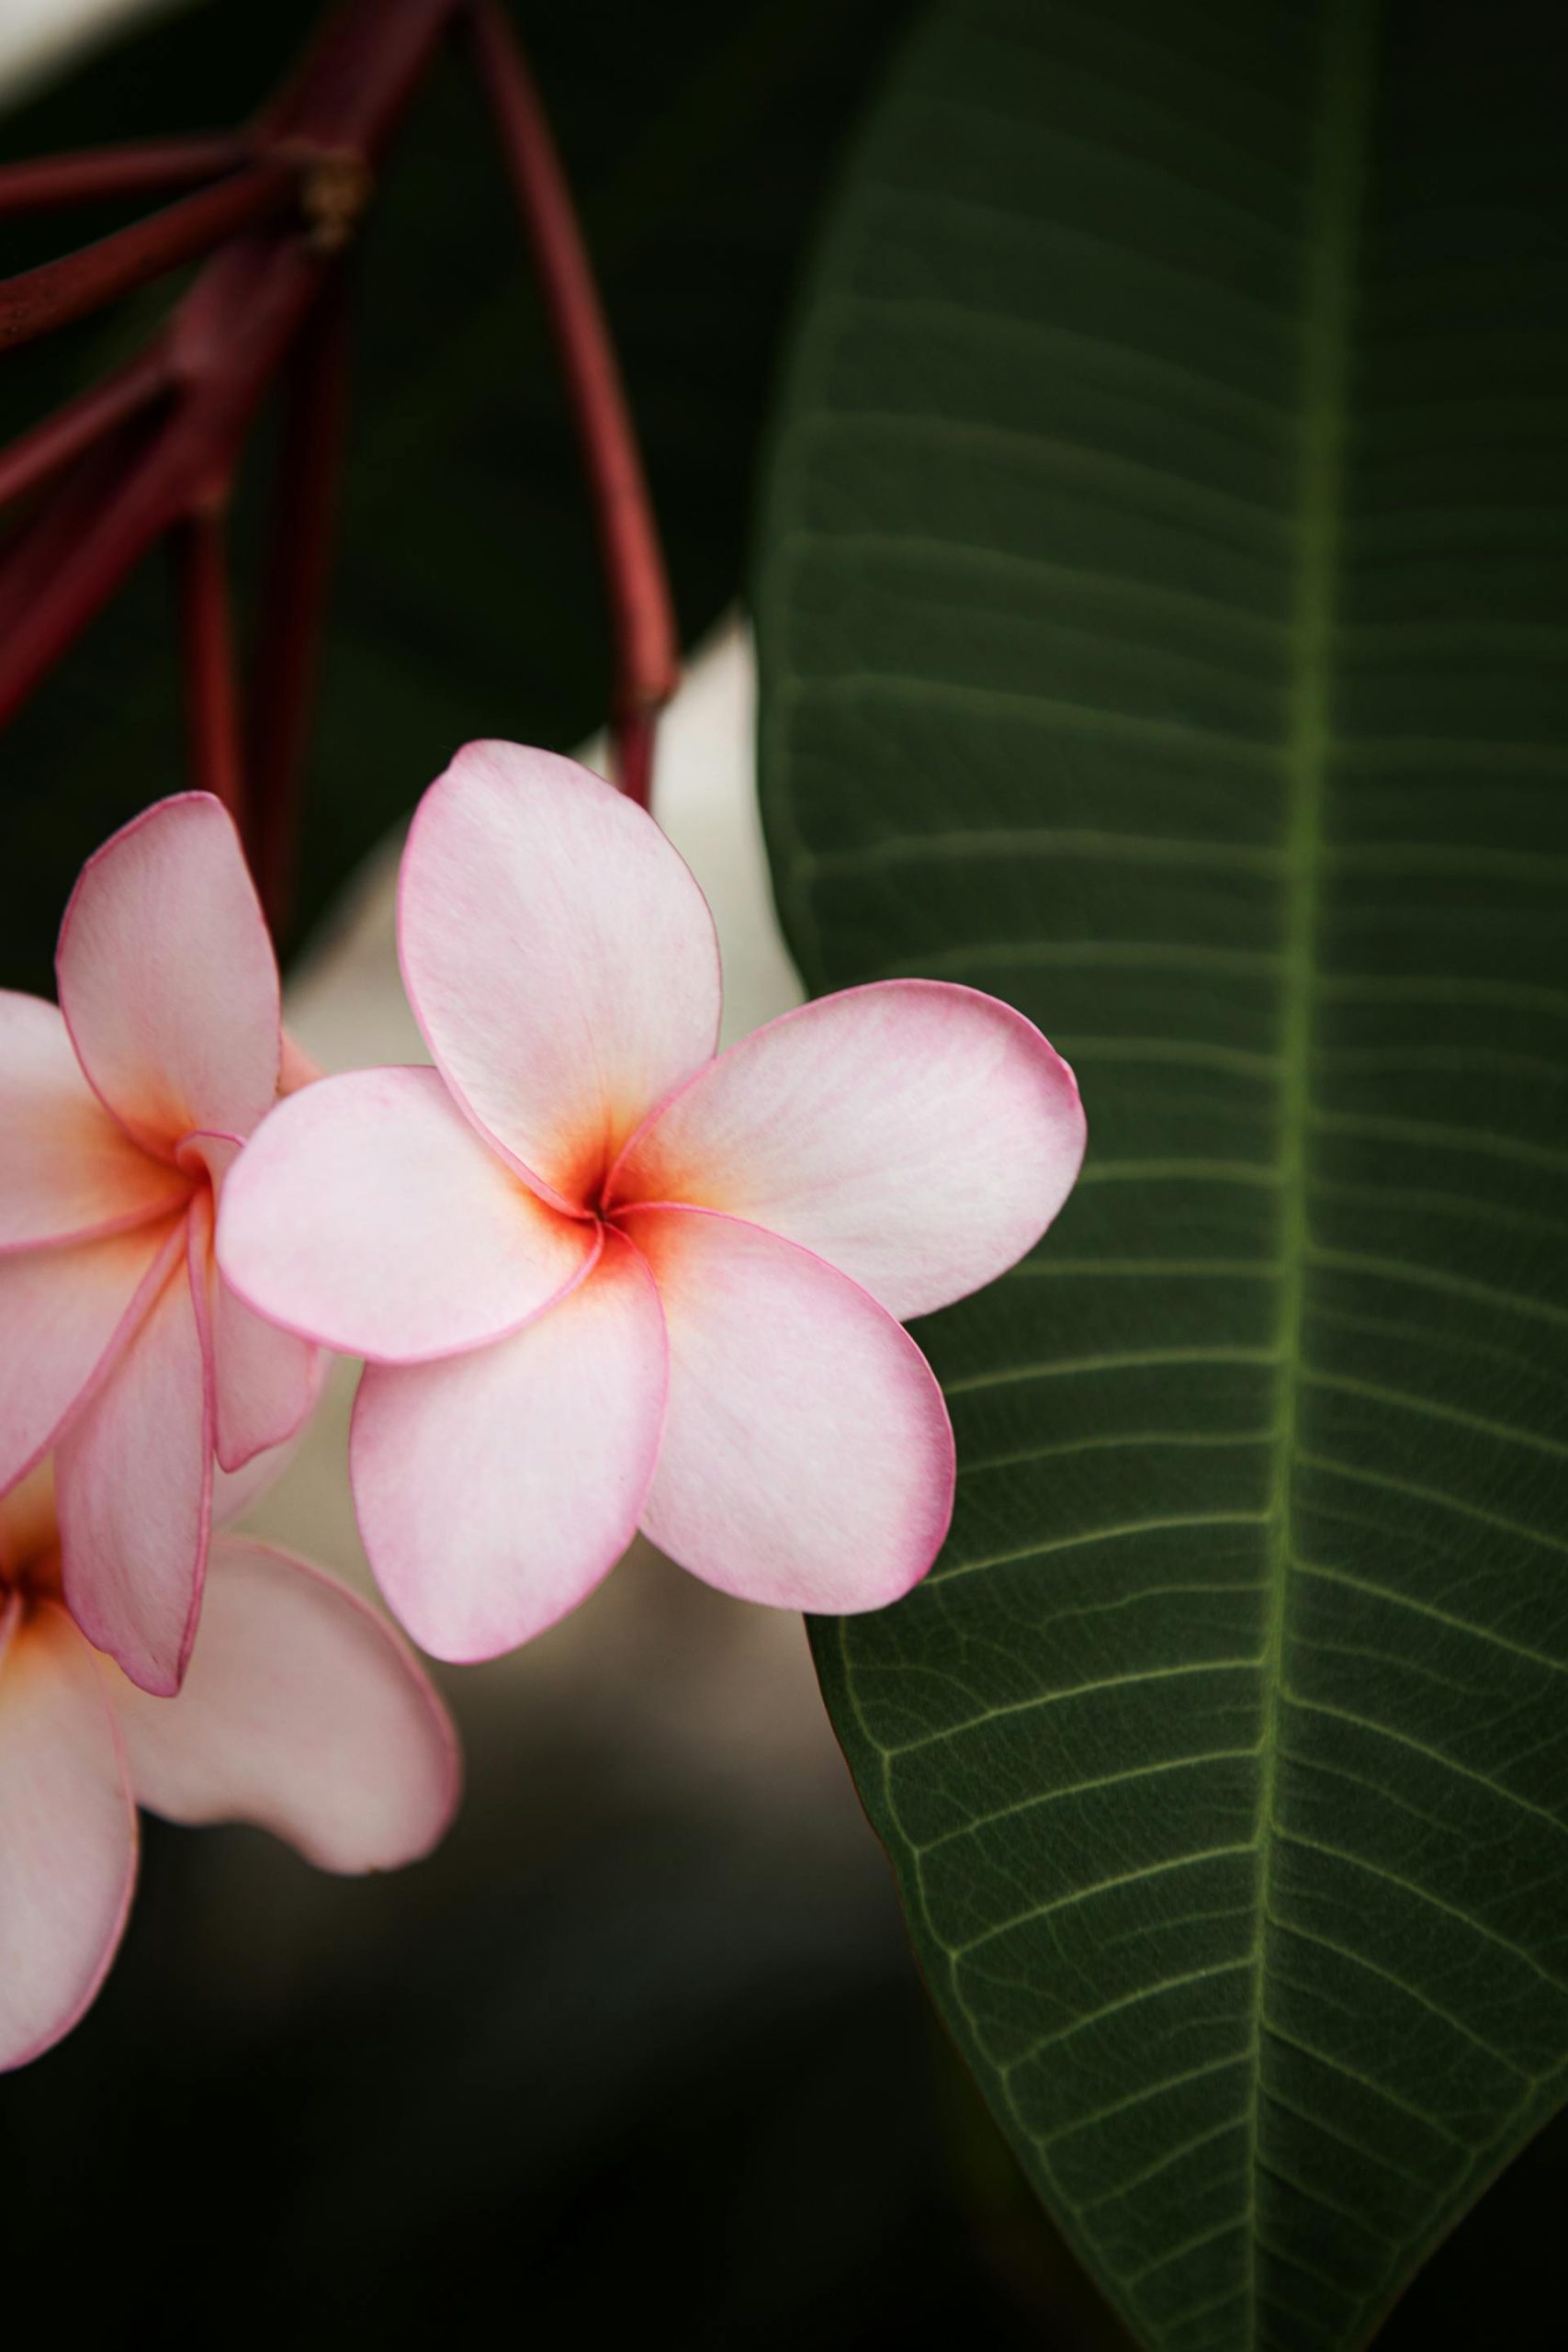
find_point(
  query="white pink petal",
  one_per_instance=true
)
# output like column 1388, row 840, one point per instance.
column 368, row 1214
column 67, row 1830
column 167, row 977
column 918, row 1136
column 133, row 1485
column 303, row 1712
column 68, row 1170
column 495, row 1490
column 559, row 959
column 65, row 1315
column 265, row 1379
column 807, row 1457
column 731, row 1364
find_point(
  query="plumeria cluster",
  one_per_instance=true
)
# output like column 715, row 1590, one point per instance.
column 602, row 1277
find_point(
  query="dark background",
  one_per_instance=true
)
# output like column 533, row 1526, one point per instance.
column 634, row 2053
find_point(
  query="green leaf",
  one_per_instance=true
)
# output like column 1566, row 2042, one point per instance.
column 1162, row 612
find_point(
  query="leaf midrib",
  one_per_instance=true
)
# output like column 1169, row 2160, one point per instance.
column 1332, row 228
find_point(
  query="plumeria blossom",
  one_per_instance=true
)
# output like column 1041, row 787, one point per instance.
column 607, row 1280
column 121, row 1350
column 302, row 1712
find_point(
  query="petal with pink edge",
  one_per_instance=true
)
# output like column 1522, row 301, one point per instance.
column 234, row 1491
column 264, row 1379
column 495, row 1491
column 367, row 1214
column 919, row 1137
column 302, row 1712
column 558, row 956
column 133, row 1479
column 808, row 1456
column 67, row 1169
column 67, row 1832
column 167, row 977
column 63, row 1315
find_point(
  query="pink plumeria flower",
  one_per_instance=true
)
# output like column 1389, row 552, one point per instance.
column 121, row 1350
column 607, row 1280
column 302, row 1712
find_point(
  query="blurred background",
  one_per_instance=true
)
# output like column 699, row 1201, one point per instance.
column 642, row 2048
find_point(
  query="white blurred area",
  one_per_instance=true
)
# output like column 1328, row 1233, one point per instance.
column 43, row 38
column 40, row 40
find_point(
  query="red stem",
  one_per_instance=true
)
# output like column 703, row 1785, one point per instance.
column 148, row 168
column 212, row 710
column 62, row 569
column 633, row 736
column 642, row 616
column 227, row 338
column 38, row 554
column 63, row 290
column 294, row 600
column 34, row 456
column 131, row 465
column 360, row 73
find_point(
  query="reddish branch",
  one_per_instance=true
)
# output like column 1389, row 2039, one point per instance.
column 647, row 646
column 63, row 290
column 225, row 341
column 212, row 702
column 150, row 453
column 45, row 543
column 81, row 423
column 295, row 592
column 150, row 168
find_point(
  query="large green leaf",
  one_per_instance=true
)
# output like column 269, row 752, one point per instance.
column 1161, row 605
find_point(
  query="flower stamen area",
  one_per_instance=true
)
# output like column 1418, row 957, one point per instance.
column 29, row 1541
